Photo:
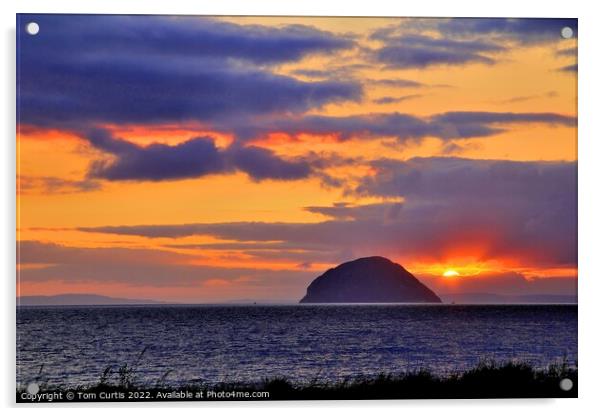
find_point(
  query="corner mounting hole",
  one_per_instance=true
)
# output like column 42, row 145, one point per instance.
column 32, row 28
column 33, row 388
column 566, row 32
column 566, row 384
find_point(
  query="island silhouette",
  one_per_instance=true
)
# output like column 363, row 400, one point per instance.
column 368, row 280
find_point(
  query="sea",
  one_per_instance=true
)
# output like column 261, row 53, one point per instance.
column 179, row 345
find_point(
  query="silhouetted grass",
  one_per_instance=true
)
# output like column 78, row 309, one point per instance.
column 488, row 379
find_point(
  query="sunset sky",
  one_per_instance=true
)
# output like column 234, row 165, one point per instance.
column 196, row 159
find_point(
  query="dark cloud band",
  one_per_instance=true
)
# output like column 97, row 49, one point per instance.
column 403, row 127
column 423, row 51
column 91, row 69
column 193, row 158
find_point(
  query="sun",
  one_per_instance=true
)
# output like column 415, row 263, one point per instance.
column 450, row 273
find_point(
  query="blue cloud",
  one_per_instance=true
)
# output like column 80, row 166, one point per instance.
column 54, row 185
column 393, row 100
column 397, row 83
column 417, row 51
column 569, row 68
column 83, row 69
column 194, row 158
column 461, row 41
column 260, row 163
column 485, row 117
column 571, row 52
column 200, row 156
column 526, row 31
column 175, row 37
column 403, row 127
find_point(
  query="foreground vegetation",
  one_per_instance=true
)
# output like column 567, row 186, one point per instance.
column 487, row 380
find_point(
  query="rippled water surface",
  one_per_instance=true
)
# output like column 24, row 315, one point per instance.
column 247, row 343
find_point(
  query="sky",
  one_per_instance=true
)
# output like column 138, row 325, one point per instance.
column 218, row 159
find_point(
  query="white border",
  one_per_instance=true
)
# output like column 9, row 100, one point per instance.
column 590, row 202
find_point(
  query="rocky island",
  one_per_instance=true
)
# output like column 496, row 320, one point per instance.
column 368, row 280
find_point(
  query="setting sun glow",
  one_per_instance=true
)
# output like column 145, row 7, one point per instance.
column 450, row 273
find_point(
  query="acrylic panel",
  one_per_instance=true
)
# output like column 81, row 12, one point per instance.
column 290, row 208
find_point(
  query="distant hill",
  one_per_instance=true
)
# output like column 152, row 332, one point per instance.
column 79, row 299
column 368, row 280
column 491, row 298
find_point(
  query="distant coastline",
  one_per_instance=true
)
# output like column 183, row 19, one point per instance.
column 72, row 299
